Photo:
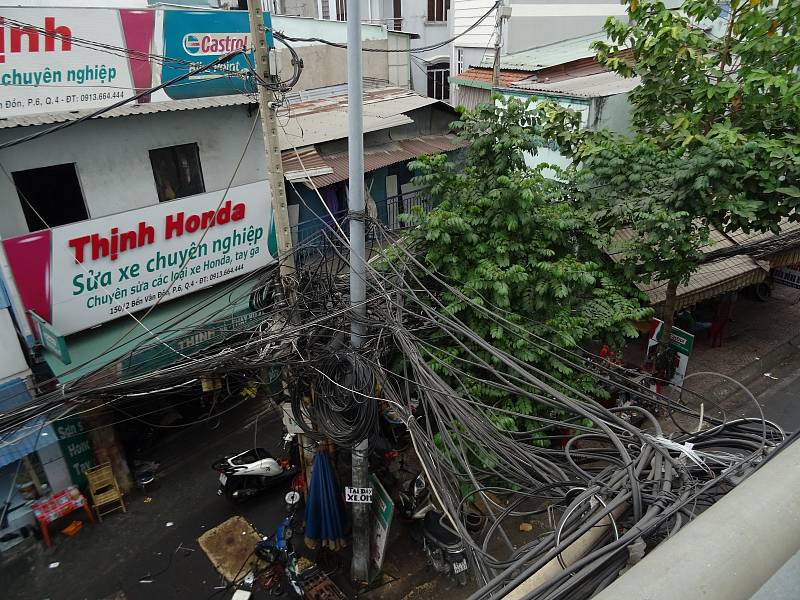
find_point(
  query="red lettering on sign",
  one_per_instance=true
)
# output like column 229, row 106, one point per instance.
column 174, row 225
column 31, row 35
column 77, row 245
column 115, row 244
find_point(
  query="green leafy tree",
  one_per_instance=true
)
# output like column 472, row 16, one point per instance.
column 506, row 238
column 716, row 115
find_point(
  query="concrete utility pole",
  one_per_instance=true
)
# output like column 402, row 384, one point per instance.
column 269, row 126
column 358, row 269
column 503, row 13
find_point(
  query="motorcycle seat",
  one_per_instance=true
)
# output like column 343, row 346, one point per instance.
column 434, row 527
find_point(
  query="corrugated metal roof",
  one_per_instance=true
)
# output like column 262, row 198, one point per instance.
column 326, row 119
column 383, row 156
column 129, row 110
column 741, row 238
column 550, row 55
column 711, row 279
column 309, row 122
column 303, row 163
column 598, row 85
column 483, row 76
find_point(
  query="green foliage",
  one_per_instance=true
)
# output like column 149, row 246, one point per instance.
column 730, row 99
column 509, row 240
column 716, row 144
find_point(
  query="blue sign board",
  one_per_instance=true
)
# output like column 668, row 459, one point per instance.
column 197, row 38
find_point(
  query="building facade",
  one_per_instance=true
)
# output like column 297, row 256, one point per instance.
column 532, row 23
column 166, row 197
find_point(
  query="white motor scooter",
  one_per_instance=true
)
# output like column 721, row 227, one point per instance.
column 249, row 473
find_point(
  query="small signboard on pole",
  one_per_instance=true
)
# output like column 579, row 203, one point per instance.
column 382, row 511
column 360, row 495
column 681, row 341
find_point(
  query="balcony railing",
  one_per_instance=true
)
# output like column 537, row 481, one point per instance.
column 320, row 237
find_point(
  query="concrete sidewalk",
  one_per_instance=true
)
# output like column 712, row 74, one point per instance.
column 761, row 349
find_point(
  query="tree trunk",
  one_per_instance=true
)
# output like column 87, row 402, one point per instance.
column 669, row 313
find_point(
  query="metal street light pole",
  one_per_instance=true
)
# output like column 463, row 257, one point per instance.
column 358, row 267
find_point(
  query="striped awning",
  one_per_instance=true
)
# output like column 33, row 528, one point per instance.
column 32, row 435
column 710, row 279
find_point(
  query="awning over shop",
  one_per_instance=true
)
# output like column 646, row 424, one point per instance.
column 785, row 253
column 374, row 158
column 30, row 436
column 184, row 325
column 711, row 279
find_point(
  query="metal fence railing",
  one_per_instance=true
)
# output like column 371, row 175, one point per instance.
column 320, row 237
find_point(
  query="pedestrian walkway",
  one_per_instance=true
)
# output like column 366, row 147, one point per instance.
column 758, row 330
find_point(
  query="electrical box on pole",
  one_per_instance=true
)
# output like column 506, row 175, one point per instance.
column 269, row 125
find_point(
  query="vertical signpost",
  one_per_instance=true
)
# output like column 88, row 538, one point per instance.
column 382, row 511
column 681, row 341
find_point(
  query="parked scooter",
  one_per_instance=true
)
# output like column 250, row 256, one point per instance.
column 442, row 545
column 249, row 473
column 278, row 550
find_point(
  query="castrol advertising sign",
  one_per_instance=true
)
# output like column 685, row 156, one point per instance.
column 54, row 60
column 84, row 274
column 197, row 38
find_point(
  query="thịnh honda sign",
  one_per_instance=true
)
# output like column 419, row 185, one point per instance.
column 55, row 59
column 80, row 275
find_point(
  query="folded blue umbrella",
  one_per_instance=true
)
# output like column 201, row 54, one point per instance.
column 326, row 518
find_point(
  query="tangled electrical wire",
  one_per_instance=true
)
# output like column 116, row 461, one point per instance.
column 621, row 488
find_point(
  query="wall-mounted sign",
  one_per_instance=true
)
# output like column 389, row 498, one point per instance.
column 75, row 446
column 55, row 59
column 197, row 38
column 788, row 276
column 98, row 270
column 51, row 340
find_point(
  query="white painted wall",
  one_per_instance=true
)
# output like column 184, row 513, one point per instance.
column 113, row 164
column 415, row 20
column 533, row 23
column 12, row 360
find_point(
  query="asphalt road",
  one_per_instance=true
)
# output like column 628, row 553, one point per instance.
column 106, row 558
column 780, row 399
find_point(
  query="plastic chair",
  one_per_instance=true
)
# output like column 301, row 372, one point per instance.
column 103, row 489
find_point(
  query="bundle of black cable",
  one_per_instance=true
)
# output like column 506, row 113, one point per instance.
column 343, row 406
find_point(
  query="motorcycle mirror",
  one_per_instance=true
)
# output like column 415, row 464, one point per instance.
column 292, row 498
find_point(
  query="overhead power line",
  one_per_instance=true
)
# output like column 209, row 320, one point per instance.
column 281, row 35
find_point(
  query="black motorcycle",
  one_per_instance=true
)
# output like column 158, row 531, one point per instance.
column 442, row 544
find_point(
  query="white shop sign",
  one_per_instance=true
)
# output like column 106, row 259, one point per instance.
column 103, row 268
column 55, row 59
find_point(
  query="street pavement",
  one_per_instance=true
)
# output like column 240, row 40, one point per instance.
column 780, row 393
column 106, row 558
